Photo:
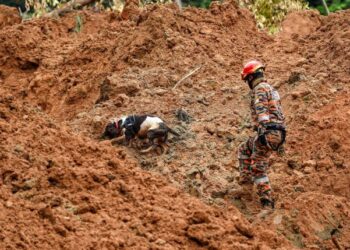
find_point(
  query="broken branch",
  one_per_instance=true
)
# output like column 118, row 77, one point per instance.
column 70, row 6
column 187, row 76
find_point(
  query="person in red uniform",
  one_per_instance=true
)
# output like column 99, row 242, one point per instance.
column 269, row 125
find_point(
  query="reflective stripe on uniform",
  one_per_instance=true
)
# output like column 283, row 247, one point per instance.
column 243, row 157
column 261, row 180
column 263, row 118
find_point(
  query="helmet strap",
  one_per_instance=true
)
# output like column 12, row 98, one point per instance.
column 250, row 81
column 250, row 84
column 254, row 79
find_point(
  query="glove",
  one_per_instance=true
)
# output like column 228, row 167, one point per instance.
column 261, row 135
column 280, row 151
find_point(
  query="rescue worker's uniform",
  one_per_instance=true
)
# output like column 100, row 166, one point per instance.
column 253, row 154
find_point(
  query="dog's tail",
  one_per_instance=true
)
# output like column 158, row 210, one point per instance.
column 171, row 131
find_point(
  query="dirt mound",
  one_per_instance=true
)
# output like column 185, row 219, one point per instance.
column 316, row 220
column 300, row 23
column 8, row 16
column 76, row 65
column 66, row 80
column 311, row 75
column 66, row 187
column 70, row 192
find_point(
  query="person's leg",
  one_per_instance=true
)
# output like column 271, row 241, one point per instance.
column 244, row 161
column 260, row 156
column 245, row 179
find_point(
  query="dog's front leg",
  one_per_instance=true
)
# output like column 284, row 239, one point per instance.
column 131, row 143
column 165, row 148
column 117, row 140
column 152, row 147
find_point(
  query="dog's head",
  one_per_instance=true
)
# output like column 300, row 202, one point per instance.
column 113, row 129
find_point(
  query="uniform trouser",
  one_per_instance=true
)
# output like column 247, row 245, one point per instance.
column 253, row 161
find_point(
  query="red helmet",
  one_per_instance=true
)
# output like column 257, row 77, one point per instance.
column 251, row 67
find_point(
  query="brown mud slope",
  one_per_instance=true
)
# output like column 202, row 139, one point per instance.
column 8, row 16
column 59, row 190
column 60, row 84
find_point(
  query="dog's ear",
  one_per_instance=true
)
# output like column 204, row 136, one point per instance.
column 120, row 124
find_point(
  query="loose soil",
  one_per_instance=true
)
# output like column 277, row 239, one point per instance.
column 63, row 188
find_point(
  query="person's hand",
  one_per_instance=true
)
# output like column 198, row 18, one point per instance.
column 261, row 135
column 281, row 151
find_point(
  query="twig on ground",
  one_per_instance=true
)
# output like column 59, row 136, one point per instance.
column 187, row 75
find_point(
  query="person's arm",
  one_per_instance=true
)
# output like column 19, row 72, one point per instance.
column 261, row 106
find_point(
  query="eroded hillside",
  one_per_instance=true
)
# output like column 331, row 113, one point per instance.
column 63, row 188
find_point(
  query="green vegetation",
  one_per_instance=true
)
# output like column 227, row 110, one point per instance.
column 78, row 24
column 333, row 5
column 270, row 13
column 39, row 7
column 197, row 3
column 14, row 3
